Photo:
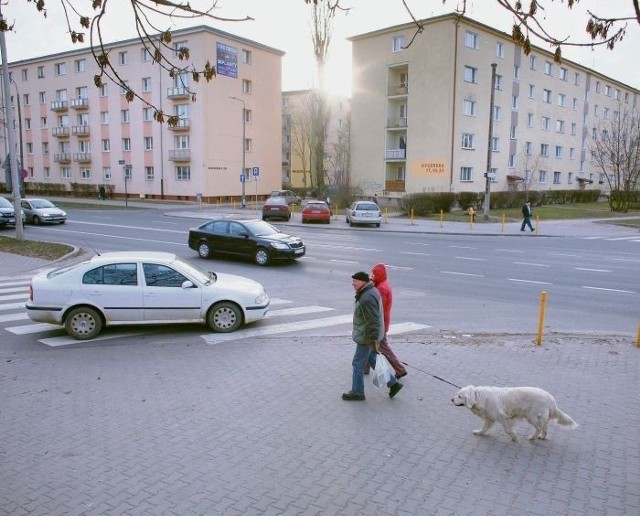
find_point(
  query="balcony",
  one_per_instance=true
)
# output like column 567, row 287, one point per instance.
column 397, row 89
column 183, row 124
column 81, row 130
column 59, row 105
column 178, row 93
column 395, row 154
column 60, row 132
column 80, row 103
column 396, row 185
column 82, row 157
column 64, row 157
column 180, row 155
column 398, row 122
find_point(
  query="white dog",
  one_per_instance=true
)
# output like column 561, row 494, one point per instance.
column 507, row 404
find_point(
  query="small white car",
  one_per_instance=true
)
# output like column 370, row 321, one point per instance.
column 42, row 211
column 364, row 212
column 142, row 288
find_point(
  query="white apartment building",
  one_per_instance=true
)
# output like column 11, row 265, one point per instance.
column 76, row 133
column 296, row 153
column 420, row 115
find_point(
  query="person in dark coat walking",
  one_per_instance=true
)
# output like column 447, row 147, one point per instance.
column 368, row 331
column 527, row 213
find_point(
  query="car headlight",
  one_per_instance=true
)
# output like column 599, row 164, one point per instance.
column 262, row 298
column 279, row 245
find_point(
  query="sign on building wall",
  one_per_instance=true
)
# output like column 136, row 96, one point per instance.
column 431, row 169
column 226, row 60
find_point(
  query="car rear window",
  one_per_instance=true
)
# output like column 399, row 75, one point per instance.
column 367, row 207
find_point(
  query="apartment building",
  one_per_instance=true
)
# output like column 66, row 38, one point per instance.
column 76, row 133
column 420, row 112
column 297, row 106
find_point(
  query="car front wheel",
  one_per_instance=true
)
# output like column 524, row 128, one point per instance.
column 204, row 251
column 224, row 317
column 36, row 220
column 261, row 256
column 83, row 323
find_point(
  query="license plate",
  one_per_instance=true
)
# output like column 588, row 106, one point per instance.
column 298, row 251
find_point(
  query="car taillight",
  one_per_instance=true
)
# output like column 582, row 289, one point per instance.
column 30, row 292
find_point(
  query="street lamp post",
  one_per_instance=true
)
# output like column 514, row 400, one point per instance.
column 244, row 150
column 19, row 131
column 487, row 174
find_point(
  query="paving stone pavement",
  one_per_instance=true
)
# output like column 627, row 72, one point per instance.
column 258, row 427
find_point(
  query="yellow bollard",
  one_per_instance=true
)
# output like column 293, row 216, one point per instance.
column 543, row 306
column 537, row 223
column 638, row 337
column 503, row 219
column 411, row 216
column 472, row 214
column 441, row 217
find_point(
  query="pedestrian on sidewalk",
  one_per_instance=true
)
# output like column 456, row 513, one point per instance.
column 367, row 332
column 380, row 281
column 527, row 213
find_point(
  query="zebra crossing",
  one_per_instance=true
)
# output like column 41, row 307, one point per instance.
column 284, row 317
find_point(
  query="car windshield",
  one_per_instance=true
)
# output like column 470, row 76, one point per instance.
column 42, row 203
column 261, row 228
column 276, row 200
column 201, row 274
column 4, row 203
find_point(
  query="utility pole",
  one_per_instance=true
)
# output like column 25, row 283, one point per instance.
column 244, row 149
column 487, row 174
column 15, row 178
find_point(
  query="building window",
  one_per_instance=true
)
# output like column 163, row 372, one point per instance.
column 542, row 176
column 559, row 151
column 544, row 150
column 147, row 114
column 85, row 173
column 183, row 173
column 60, row 68
column 532, row 62
column 499, row 50
column 397, row 44
column 513, row 133
column 527, row 148
column 43, row 97
column 246, row 86
column 26, row 99
column 572, row 153
column 570, row 179
column 145, row 55
column 546, row 123
column 104, row 117
column 248, row 115
column 106, row 145
column 29, row 147
column 512, row 161
column 124, row 88
column 564, row 74
column 467, row 141
column 546, row 96
column 530, row 120
column 45, row 147
column 123, row 58
column 495, row 144
column 605, row 113
column 560, row 126
column 598, row 86
column 469, row 107
column 47, row 173
column 607, row 90
column 126, row 144
column 548, row 68
column 497, row 113
column 516, row 72
column 106, row 173
column 576, row 79
column 575, row 104
column 182, row 142
column 248, row 145
column 471, row 40
column 562, row 99
column 80, row 65
column 471, row 74
column 65, row 173
column 27, row 124
column 498, row 82
column 466, row 173
column 146, row 84
column 149, row 174
column 180, row 47
column 148, row 143
column 245, row 56
column 557, row 176
column 514, row 102
column 124, row 116
column 40, row 73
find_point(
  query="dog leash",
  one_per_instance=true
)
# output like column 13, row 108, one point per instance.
column 432, row 375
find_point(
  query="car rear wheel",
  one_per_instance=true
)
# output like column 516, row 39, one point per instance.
column 83, row 323
column 204, row 251
column 224, row 317
column 261, row 256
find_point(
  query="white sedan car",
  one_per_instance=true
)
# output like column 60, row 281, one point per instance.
column 364, row 212
column 42, row 211
column 142, row 288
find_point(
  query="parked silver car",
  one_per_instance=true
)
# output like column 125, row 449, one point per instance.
column 7, row 213
column 42, row 211
column 364, row 212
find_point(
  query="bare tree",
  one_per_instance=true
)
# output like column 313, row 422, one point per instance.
column 156, row 41
column 528, row 164
column 616, row 150
column 301, row 139
column 339, row 157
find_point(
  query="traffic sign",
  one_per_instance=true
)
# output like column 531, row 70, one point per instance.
column 256, row 171
column 243, row 178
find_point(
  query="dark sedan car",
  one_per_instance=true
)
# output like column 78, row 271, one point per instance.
column 276, row 208
column 256, row 239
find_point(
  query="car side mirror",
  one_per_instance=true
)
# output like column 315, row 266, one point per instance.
column 188, row 284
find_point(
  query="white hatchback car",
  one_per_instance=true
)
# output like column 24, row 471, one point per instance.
column 364, row 212
column 142, row 288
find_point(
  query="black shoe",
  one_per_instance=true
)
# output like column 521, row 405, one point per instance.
column 395, row 389
column 352, row 396
column 522, row 230
column 398, row 376
column 532, row 230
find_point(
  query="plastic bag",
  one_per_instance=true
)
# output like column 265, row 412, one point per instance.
column 382, row 372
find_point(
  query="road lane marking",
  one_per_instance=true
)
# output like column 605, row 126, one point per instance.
column 470, row 259
column 25, row 329
column 11, row 297
column 416, row 254
column 13, row 317
column 610, row 289
column 591, row 270
column 298, row 310
column 11, row 306
column 462, row 274
column 529, row 281
column 531, row 264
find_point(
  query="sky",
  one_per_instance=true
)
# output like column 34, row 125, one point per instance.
column 285, row 25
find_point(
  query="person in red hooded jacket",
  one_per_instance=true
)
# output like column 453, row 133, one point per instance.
column 379, row 278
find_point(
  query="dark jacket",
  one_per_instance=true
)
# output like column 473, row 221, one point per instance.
column 368, row 321
column 526, row 210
